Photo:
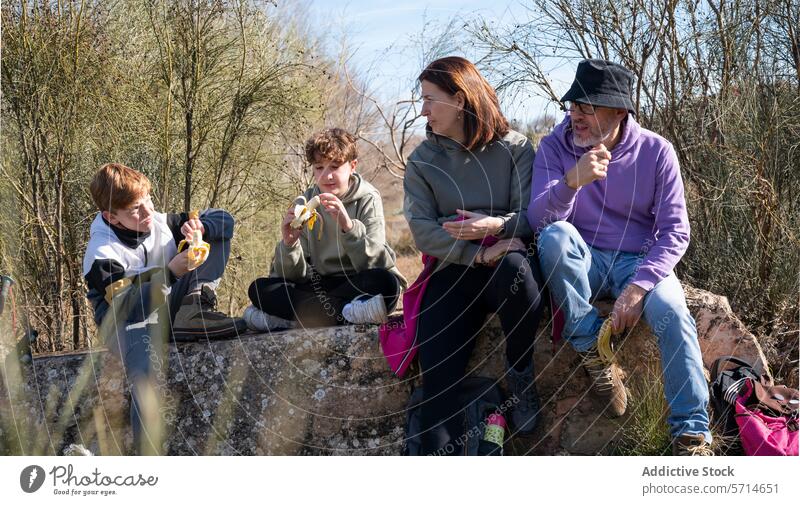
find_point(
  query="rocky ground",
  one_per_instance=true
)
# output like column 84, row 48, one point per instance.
column 321, row 391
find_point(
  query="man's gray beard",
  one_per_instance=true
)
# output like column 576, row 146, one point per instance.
column 591, row 141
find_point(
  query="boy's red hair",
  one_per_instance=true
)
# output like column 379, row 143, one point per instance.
column 115, row 187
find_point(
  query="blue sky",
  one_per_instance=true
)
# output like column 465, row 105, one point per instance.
column 382, row 35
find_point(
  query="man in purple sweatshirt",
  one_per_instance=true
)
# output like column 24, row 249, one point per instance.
column 607, row 200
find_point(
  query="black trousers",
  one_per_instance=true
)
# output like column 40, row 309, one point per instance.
column 319, row 301
column 454, row 307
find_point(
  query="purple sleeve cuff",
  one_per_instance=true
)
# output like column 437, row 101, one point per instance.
column 563, row 193
column 646, row 279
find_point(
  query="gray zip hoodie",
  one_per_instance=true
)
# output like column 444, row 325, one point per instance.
column 441, row 177
column 337, row 252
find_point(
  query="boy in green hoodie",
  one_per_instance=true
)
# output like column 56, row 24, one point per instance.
column 342, row 270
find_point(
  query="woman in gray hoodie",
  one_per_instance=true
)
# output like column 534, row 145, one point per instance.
column 467, row 188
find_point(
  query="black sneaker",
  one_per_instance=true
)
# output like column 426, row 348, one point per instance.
column 198, row 319
column 522, row 387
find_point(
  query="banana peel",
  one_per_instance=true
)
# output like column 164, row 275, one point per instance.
column 604, row 341
column 307, row 214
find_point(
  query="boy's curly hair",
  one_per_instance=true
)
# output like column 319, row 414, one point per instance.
column 333, row 144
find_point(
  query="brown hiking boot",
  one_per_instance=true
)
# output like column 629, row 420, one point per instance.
column 198, row 319
column 606, row 382
column 691, row 445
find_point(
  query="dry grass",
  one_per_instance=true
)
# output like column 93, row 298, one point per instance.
column 410, row 266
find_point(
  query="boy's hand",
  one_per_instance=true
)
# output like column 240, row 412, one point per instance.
column 189, row 226
column 180, row 264
column 335, row 208
column 289, row 235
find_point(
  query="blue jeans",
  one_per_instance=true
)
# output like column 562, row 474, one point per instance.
column 577, row 273
column 137, row 331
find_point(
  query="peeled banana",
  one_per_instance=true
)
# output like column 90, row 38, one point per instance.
column 198, row 249
column 306, row 214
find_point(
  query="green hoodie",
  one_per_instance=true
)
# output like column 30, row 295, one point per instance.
column 337, row 252
column 441, row 177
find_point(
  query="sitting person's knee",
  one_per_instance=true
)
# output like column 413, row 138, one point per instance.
column 513, row 261
column 252, row 291
column 514, row 268
column 554, row 238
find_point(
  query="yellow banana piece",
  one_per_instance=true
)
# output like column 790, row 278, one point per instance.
column 116, row 287
column 604, row 341
column 312, row 221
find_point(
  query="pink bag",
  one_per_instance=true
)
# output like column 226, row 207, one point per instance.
column 761, row 434
column 398, row 337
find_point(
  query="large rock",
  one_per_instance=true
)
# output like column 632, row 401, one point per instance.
column 321, row 391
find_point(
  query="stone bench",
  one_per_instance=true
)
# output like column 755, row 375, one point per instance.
column 318, row 391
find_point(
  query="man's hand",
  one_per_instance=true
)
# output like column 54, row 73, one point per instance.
column 180, row 263
column 591, row 166
column 628, row 308
column 495, row 253
column 475, row 227
column 335, row 208
column 289, row 235
column 189, row 226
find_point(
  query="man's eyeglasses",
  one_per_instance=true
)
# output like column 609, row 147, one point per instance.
column 583, row 108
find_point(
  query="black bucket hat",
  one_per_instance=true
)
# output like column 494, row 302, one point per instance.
column 602, row 83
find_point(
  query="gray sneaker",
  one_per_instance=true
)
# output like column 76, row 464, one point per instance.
column 258, row 320
column 366, row 310
column 521, row 386
column 198, row 319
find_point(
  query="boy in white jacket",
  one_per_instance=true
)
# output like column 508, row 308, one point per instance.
column 140, row 285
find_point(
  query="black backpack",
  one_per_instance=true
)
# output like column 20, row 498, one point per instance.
column 727, row 380
column 481, row 397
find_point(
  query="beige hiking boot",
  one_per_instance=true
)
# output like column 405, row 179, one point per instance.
column 691, row 445
column 198, row 319
column 606, row 382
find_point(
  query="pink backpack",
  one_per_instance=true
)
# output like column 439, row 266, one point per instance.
column 767, row 419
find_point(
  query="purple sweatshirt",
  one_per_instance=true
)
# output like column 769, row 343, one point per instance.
column 638, row 208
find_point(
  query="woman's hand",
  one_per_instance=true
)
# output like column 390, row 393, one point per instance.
column 475, row 227
column 289, row 235
column 335, row 208
column 493, row 254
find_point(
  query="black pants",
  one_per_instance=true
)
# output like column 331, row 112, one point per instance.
column 319, row 301
column 456, row 302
